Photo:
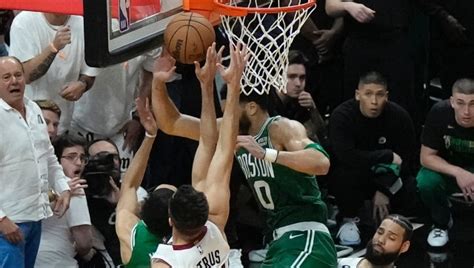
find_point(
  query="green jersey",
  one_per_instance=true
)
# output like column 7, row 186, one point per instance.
column 143, row 243
column 285, row 195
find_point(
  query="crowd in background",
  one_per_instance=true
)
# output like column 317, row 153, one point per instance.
column 386, row 87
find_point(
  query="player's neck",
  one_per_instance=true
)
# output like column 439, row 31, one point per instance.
column 364, row 263
column 257, row 122
column 182, row 240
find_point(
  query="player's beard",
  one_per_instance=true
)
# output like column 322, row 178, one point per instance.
column 378, row 258
column 244, row 124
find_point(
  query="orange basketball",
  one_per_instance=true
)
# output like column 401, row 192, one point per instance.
column 187, row 37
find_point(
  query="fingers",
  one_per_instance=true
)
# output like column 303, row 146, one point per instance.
column 15, row 237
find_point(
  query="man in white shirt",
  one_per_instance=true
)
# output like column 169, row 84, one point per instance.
column 27, row 167
column 51, row 47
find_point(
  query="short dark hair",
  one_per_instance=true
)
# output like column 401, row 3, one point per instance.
column 106, row 140
column 464, row 86
column 155, row 212
column 297, row 57
column 260, row 99
column 66, row 141
column 372, row 77
column 404, row 223
column 189, row 210
column 49, row 105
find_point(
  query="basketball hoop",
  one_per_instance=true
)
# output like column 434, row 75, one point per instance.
column 268, row 30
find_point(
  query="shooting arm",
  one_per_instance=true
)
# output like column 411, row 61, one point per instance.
column 170, row 120
column 290, row 137
column 208, row 126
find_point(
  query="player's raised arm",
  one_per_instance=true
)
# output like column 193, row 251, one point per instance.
column 208, row 127
column 169, row 119
column 127, row 206
column 217, row 181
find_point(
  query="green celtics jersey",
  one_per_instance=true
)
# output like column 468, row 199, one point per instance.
column 285, row 195
column 143, row 244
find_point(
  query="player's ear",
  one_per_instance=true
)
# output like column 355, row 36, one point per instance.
column 251, row 108
column 405, row 246
column 357, row 94
column 170, row 222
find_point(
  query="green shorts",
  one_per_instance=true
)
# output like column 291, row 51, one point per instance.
column 311, row 248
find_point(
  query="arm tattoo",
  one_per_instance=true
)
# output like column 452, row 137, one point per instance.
column 42, row 67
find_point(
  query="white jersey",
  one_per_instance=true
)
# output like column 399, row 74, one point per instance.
column 348, row 262
column 212, row 250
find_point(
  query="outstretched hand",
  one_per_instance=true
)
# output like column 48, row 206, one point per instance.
column 207, row 73
column 164, row 66
column 238, row 60
column 147, row 119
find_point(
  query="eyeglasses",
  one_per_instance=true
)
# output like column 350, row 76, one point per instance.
column 73, row 157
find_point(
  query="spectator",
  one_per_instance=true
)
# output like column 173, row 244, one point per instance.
column 51, row 46
column 63, row 238
column 51, row 114
column 297, row 103
column 391, row 239
column 372, row 139
column 105, row 112
column 6, row 18
column 140, row 231
column 28, row 167
column 457, row 51
column 447, row 157
column 377, row 39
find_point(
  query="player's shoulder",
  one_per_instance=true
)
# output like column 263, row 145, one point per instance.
column 281, row 123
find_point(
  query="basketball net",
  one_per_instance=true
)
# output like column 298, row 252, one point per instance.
column 268, row 32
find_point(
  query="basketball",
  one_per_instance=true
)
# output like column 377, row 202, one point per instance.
column 187, row 37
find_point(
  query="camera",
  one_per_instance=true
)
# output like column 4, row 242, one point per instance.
column 98, row 172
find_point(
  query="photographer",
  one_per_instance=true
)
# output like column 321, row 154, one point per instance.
column 102, row 174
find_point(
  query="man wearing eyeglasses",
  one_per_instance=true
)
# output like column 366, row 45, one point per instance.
column 28, row 168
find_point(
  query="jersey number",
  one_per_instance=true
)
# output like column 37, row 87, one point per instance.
column 264, row 195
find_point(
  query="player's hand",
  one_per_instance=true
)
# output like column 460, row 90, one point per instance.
column 396, row 159
column 465, row 181
column 207, row 73
column 77, row 185
column 62, row 203
column 248, row 143
column 62, row 37
column 147, row 119
column 381, row 203
column 131, row 131
column 238, row 60
column 360, row 12
column 73, row 91
column 11, row 231
column 164, row 66
column 306, row 101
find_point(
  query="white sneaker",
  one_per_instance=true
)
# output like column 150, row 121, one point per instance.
column 348, row 233
column 234, row 258
column 438, row 237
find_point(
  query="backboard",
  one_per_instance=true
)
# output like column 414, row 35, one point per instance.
column 116, row 30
